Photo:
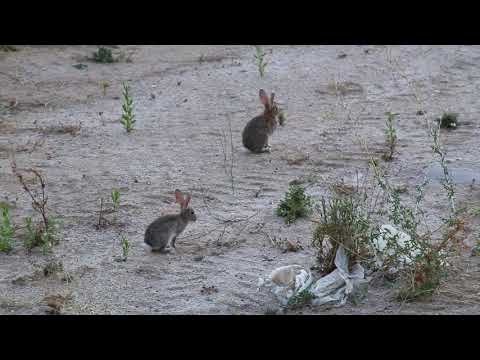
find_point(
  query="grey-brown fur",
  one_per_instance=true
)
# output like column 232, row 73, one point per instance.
column 164, row 230
column 255, row 135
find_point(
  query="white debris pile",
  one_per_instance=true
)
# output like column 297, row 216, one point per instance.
column 389, row 242
column 334, row 289
column 342, row 284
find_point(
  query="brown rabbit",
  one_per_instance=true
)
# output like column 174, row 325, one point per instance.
column 256, row 134
column 164, row 231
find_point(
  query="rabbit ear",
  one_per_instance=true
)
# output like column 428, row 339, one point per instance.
column 264, row 98
column 187, row 200
column 271, row 99
column 179, row 198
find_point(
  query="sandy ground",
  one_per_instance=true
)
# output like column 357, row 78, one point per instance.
column 177, row 144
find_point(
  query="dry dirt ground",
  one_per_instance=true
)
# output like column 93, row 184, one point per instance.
column 186, row 99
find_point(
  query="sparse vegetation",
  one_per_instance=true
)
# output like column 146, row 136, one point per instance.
column 125, row 247
column 448, row 120
column 342, row 221
column 447, row 181
column 102, row 220
column 296, row 204
column 103, row 55
column 391, row 136
column 260, row 58
column 37, row 236
column 115, row 199
column 301, row 299
column 128, row 117
column 8, row 48
column 427, row 260
column 45, row 232
column 6, row 229
column 323, row 157
column 105, row 85
column 418, row 263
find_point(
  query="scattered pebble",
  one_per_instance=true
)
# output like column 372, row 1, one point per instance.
column 207, row 290
column 80, row 66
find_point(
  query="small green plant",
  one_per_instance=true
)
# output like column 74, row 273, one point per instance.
column 260, row 58
column 105, row 85
column 115, row 199
column 103, row 55
column 6, row 230
column 125, row 247
column 296, row 204
column 391, row 136
column 128, row 117
column 124, row 56
column 301, row 299
column 448, row 120
column 102, row 220
column 37, row 236
column 342, row 221
column 45, row 232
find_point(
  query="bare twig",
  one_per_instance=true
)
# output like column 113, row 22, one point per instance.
column 232, row 152
column 39, row 203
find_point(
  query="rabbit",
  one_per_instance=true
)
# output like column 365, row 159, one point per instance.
column 164, row 230
column 256, row 133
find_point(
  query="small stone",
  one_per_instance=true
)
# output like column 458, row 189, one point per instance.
column 80, row 66
column 19, row 281
column 198, row 258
